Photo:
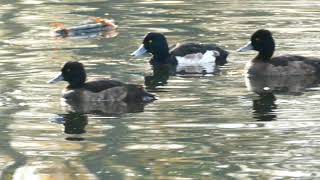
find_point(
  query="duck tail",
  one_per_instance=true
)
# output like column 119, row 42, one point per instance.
column 223, row 54
column 137, row 93
column 222, row 58
column 148, row 97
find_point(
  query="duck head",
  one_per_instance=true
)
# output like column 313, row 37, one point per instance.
column 261, row 41
column 73, row 72
column 154, row 43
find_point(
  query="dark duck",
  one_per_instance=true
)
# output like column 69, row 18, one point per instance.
column 264, row 64
column 100, row 89
column 187, row 57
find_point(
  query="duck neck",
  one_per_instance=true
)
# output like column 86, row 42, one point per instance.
column 161, row 54
column 75, row 85
column 266, row 54
column 77, row 82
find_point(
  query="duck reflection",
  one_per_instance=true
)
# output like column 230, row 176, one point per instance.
column 76, row 119
column 73, row 122
column 264, row 107
column 102, row 107
column 160, row 76
column 267, row 87
column 293, row 85
column 162, row 72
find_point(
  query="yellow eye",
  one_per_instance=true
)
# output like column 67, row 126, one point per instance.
column 257, row 39
column 150, row 41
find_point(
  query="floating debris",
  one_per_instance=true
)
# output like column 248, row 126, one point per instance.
column 94, row 27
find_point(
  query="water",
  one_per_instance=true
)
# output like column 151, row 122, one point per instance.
column 202, row 127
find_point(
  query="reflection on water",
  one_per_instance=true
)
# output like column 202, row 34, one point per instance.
column 202, row 127
column 160, row 76
column 294, row 85
column 74, row 123
column 267, row 87
column 264, row 107
column 102, row 107
column 52, row 170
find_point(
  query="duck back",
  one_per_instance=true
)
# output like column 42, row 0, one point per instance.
column 108, row 90
column 285, row 65
column 101, row 84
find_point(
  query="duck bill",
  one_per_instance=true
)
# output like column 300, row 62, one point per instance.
column 247, row 47
column 56, row 79
column 140, row 51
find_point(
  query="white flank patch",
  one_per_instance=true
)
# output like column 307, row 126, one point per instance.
column 197, row 63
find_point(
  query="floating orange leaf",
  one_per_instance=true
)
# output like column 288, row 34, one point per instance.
column 57, row 24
